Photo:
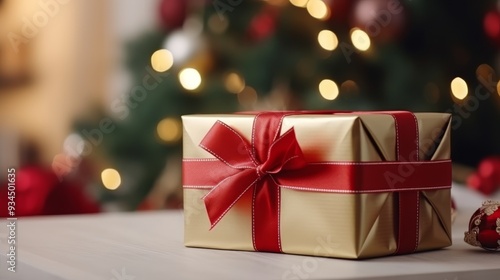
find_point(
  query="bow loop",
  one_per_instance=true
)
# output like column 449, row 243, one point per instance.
column 230, row 147
column 283, row 154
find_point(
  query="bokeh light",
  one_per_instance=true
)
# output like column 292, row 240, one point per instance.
column 190, row 78
column 248, row 97
column 299, row 3
column 111, row 179
column 217, row 24
column 328, row 89
column 360, row 39
column 234, row 83
column 484, row 71
column 169, row 130
column 459, row 88
column 182, row 45
column 162, row 60
column 74, row 145
column 327, row 40
column 491, row 24
column 318, row 9
column 349, row 86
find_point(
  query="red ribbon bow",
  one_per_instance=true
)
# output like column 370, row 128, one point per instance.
column 283, row 154
column 257, row 166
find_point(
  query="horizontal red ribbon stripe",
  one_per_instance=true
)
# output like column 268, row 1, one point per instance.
column 350, row 177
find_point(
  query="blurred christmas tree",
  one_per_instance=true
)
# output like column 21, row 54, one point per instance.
column 228, row 55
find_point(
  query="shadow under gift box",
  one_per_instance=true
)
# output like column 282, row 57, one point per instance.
column 343, row 225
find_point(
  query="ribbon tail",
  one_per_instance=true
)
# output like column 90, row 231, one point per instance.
column 266, row 216
column 285, row 153
column 225, row 195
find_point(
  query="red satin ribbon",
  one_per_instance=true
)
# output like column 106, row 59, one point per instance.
column 272, row 161
column 334, row 177
column 407, row 147
column 257, row 164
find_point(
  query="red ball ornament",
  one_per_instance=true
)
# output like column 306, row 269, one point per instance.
column 382, row 20
column 262, row 25
column 481, row 184
column 172, row 13
column 33, row 186
column 491, row 25
column 40, row 192
column 487, row 178
column 484, row 227
column 340, row 10
column 490, row 168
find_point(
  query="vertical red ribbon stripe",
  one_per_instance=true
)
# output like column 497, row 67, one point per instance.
column 266, row 197
column 407, row 148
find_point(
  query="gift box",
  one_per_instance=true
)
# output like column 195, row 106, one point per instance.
column 334, row 184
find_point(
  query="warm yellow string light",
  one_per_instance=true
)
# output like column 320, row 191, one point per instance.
column 328, row 89
column 162, row 60
column 190, row 78
column 459, row 88
column 360, row 39
column 299, row 3
column 111, row 179
column 318, row 9
column 328, row 40
column 169, row 130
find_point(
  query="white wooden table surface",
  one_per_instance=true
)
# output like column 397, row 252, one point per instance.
column 140, row 246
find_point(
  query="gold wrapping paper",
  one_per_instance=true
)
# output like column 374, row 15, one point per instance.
column 326, row 224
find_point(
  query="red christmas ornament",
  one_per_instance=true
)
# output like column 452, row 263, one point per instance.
column 172, row 13
column 476, row 182
column 490, row 168
column 484, row 227
column 340, row 10
column 491, row 25
column 262, row 25
column 32, row 187
column 38, row 191
column 487, row 178
column 382, row 20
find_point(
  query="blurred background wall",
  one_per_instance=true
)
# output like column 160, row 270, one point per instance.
column 73, row 60
column 39, row 96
